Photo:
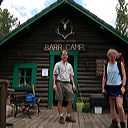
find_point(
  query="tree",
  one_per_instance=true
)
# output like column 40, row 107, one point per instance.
column 122, row 17
column 0, row 2
column 7, row 22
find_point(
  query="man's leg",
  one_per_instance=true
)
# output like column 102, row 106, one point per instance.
column 69, row 118
column 69, row 107
column 60, row 107
column 59, row 98
column 61, row 120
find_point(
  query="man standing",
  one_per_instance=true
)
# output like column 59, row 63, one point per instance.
column 62, row 75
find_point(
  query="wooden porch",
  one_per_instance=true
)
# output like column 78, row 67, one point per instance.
column 49, row 118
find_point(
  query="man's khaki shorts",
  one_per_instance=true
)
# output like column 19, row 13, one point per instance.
column 64, row 90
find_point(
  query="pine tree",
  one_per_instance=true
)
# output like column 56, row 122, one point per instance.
column 7, row 22
column 1, row 1
column 122, row 17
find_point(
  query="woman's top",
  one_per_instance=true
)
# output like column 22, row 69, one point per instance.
column 113, row 75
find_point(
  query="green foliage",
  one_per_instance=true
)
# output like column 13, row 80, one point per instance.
column 122, row 17
column 87, row 107
column 87, row 104
column 7, row 22
column 79, row 100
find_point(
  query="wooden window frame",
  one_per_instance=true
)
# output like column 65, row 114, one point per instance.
column 16, row 76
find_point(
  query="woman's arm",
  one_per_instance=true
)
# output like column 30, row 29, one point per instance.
column 103, row 81
column 124, row 79
column 123, row 75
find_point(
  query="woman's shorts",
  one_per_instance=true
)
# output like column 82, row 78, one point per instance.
column 113, row 91
column 64, row 90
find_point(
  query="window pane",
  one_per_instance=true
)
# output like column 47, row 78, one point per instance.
column 21, row 76
column 21, row 81
column 22, row 71
column 25, row 75
column 28, row 72
column 28, row 81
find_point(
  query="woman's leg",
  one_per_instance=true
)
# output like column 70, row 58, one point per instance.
column 112, row 107
column 113, row 113
column 119, row 102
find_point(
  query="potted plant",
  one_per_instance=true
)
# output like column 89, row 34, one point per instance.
column 86, row 107
column 79, row 104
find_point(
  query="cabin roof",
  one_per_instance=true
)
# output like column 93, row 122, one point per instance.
column 74, row 5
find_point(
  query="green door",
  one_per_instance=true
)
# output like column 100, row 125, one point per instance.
column 55, row 57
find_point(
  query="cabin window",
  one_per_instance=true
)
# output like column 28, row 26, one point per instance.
column 24, row 76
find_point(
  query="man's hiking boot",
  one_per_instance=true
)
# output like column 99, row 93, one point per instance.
column 70, row 119
column 61, row 120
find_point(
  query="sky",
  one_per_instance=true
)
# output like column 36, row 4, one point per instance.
column 25, row 9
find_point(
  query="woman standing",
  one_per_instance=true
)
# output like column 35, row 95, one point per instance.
column 114, row 85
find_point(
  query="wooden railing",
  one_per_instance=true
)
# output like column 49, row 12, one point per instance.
column 3, row 95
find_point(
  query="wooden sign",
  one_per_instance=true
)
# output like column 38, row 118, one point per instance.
column 68, row 46
column 100, row 67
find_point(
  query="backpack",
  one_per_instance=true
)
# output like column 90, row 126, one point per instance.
column 30, row 98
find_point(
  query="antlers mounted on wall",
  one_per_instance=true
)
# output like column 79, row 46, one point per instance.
column 64, row 24
column 65, row 36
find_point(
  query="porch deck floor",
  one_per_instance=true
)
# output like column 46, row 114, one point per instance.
column 49, row 118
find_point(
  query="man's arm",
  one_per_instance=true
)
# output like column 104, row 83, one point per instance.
column 55, row 74
column 72, row 81
column 54, row 81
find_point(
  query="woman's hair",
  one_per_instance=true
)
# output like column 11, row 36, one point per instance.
column 112, row 52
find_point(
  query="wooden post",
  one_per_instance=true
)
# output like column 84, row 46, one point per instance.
column 3, row 91
column 127, row 120
column 127, row 115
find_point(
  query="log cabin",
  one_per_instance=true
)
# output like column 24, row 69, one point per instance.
column 28, row 53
